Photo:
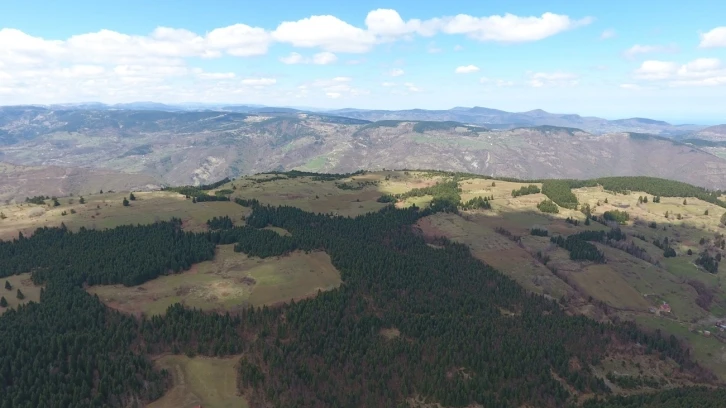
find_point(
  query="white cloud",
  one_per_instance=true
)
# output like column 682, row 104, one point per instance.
column 458, row 48
column 560, row 79
column 637, row 49
column 321, row 58
column 259, row 81
column 114, row 66
column 383, row 25
column 388, row 84
column 714, row 38
column 699, row 72
column 609, row 33
column 396, row 72
column 293, row 58
column 333, row 95
column 509, row 27
column 327, row 32
column 466, row 69
column 631, row 86
column 653, row 69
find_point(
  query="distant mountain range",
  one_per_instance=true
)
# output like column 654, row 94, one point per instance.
column 490, row 118
column 142, row 148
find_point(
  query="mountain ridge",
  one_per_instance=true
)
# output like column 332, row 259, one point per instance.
column 475, row 115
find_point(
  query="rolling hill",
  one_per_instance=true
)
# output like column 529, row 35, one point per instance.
column 402, row 288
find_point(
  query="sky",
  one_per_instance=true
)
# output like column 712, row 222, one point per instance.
column 615, row 59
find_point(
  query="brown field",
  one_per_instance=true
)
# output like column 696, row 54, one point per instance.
column 106, row 211
column 232, row 280
column 22, row 282
column 200, row 381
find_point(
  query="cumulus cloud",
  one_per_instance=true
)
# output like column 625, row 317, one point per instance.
column 466, row 69
column 383, row 25
column 396, row 72
column 714, row 38
column 699, row 72
column 543, row 79
column 637, row 49
column 114, row 66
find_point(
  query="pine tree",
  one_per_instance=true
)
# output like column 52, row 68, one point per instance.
column 132, row 197
column 55, row 202
column 3, row 216
column 8, row 286
column 705, row 212
column 3, row 302
column 126, row 202
column 645, row 199
column 20, row 294
column 81, row 200
column 606, row 200
column 685, row 202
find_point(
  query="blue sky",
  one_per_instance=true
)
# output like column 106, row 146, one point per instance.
column 664, row 60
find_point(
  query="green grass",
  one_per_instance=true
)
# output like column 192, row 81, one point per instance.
column 200, row 381
column 314, row 164
column 708, row 351
column 22, row 282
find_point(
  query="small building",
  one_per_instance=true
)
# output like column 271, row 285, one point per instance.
column 665, row 308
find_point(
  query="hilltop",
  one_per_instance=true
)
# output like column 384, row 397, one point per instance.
column 195, row 147
column 623, row 271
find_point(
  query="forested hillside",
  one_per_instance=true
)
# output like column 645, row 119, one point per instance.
column 411, row 321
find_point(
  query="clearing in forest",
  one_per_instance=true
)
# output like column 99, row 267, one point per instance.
column 30, row 291
column 200, row 381
column 231, row 281
column 100, row 211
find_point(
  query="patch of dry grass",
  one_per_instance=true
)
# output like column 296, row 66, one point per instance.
column 107, row 211
column 230, row 281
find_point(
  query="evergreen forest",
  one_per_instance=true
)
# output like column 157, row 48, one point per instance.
column 455, row 346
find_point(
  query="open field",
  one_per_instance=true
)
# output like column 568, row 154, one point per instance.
column 230, row 281
column 326, row 197
column 200, row 381
column 495, row 250
column 22, row 282
column 107, row 211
